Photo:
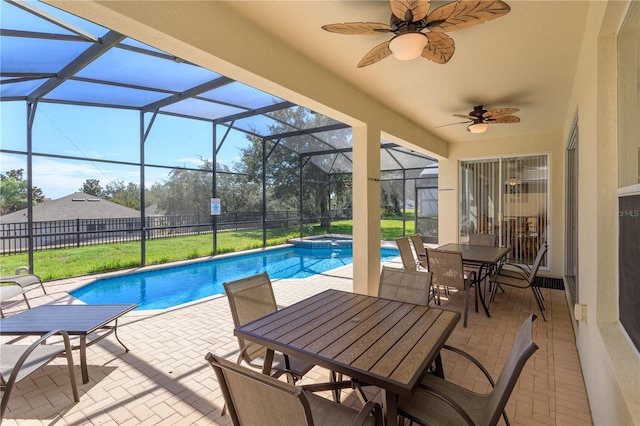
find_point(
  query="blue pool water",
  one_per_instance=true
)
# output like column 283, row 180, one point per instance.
column 167, row 287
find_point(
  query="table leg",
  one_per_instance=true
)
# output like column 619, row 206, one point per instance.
column 390, row 408
column 115, row 332
column 480, row 293
column 268, row 361
column 83, row 359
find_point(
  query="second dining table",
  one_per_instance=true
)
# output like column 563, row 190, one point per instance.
column 379, row 342
column 482, row 257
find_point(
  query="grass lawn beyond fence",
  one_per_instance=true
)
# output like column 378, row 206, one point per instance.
column 77, row 261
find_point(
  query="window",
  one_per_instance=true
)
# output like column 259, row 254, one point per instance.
column 629, row 172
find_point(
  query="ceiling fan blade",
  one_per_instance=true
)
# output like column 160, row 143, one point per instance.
column 376, row 54
column 452, row 124
column 367, row 28
column 464, row 116
column 457, row 15
column 504, row 120
column 439, row 49
column 410, row 10
column 499, row 112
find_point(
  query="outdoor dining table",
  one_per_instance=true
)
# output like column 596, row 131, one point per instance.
column 482, row 257
column 76, row 320
column 379, row 342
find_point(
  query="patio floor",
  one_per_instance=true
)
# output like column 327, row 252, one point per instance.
column 164, row 379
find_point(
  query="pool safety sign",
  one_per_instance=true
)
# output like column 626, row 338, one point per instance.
column 215, row 206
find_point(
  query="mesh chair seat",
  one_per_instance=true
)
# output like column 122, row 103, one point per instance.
column 258, row 399
column 405, row 286
column 406, row 254
column 439, row 402
column 251, row 298
column 447, row 271
column 521, row 276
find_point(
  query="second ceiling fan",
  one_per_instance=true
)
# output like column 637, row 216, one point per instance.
column 420, row 33
column 479, row 119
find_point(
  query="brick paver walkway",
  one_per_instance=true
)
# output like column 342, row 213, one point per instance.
column 164, row 379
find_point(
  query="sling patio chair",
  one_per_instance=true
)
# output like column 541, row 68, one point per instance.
column 477, row 239
column 406, row 254
column 8, row 292
column 257, row 399
column 522, row 276
column 18, row 361
column 440, row 402
column 405, row 286
column 24, row 279
column 447, row 272
column 419, row 249
column 249, row 299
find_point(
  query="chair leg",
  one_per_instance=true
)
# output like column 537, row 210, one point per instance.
column 466, row 306
column 538, row 301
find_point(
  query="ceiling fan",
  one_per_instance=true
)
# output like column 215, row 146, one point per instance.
column 479, row 119
column 420, row 33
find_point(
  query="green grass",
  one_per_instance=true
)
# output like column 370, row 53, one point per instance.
column 78, row 261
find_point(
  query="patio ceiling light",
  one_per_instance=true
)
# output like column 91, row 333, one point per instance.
column 478, row 127
column 408, row 46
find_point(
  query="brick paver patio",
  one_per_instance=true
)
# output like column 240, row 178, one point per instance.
column 164, row 379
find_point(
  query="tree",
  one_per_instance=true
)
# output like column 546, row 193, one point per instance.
column 124, row 194
column 92, row 187
column 283, row 165
column 188, row 192
column 13, row 192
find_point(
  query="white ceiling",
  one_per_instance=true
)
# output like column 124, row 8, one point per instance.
column 525, row 59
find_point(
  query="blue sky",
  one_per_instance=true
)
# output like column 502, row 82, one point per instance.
column 105, row 134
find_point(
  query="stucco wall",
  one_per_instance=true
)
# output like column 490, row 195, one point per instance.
column 610, row 363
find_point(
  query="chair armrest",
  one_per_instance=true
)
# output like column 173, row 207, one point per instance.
column 472, row 360
column 480, row 367
column 453, row 404
column 516, row 263
column 369, row 408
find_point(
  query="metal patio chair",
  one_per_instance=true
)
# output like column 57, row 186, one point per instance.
column 440, row 402
column 405, row 286
column 419, row 249
column 257, row 399
column 406, row 254
column 522, row 276
column 447, row 271
column 249, row 299
column 19, row 361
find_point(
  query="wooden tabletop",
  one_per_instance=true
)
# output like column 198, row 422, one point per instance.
column 380, row 342
column 478, row 254
column 74, row 319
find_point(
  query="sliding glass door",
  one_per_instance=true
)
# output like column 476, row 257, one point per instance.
column 507, row 197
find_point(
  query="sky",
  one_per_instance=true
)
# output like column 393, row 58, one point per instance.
column 103, row 134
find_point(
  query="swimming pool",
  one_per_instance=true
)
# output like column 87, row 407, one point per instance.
column 172, row 286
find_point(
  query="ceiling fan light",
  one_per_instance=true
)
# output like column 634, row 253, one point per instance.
column 478, row 127
column 408, row 46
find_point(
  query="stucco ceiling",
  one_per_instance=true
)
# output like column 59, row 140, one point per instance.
column 525, row 59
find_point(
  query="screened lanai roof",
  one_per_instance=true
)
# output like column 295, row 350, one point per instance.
column 48, row 55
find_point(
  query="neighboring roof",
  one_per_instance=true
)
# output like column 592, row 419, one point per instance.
column 49, row 55
column 75, row 206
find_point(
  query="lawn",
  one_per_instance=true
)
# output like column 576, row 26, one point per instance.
column 78, row 261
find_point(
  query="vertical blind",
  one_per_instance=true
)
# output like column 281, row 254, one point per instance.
column 506, row 197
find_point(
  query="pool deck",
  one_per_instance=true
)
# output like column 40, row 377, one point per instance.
column 164, row 379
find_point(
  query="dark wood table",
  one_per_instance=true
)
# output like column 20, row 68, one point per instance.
column 376, row 341
column 77, row 320
column 483, row 257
